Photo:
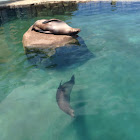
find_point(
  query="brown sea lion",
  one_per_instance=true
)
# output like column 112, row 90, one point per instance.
column 54, row 26
column 63, row 96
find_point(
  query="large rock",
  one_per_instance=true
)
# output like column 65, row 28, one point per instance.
column 48, row 50
column 36, row 40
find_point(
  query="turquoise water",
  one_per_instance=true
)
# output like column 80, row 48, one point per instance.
column 105, row 96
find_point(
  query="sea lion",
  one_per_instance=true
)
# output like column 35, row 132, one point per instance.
column 63, row 96
column 54, row 26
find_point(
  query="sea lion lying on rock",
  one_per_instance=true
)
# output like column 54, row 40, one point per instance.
column 54, row 26
column 63, row 96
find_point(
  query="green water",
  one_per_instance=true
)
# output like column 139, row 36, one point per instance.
column 105, row 96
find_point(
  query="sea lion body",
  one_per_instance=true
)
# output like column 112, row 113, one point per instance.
column 54, row 26
column 63, row 96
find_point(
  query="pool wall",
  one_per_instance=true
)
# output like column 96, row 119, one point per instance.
column 25, row 3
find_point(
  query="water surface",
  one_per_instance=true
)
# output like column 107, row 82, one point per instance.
column 105, row 96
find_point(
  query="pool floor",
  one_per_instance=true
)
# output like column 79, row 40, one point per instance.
column 105, row 96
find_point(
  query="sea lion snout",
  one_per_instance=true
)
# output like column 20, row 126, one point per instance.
column 72, row 113
column 74, row 31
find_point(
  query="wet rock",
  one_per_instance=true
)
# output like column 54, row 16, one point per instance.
column 36, row 40
column 48, row 50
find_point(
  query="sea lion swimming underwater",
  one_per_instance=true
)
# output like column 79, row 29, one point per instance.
column 63, row 96
column 54, row 26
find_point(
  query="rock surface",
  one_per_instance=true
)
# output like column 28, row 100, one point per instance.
column 67, row 56
column 57, row 51
column 36, row 40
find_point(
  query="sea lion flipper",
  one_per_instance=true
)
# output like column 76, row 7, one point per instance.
column 35, row 28
column 50, row 20
column 60, row 83
column 44, row 22
column 46, row 32
column 41, row 31
column 73, row 78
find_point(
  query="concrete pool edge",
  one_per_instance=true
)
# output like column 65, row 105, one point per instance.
column 26, row 3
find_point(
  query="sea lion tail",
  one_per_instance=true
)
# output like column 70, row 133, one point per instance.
column 60, row 84
column 73, row 78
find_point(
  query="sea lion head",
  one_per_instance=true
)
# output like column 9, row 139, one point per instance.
column 71, row 113
column 74, row 31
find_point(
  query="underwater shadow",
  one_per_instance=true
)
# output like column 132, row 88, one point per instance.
column 78, row 123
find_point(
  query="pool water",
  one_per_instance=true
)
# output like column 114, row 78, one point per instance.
column 105, row 96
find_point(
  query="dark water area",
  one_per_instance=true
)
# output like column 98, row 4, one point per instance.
column 105, row 63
